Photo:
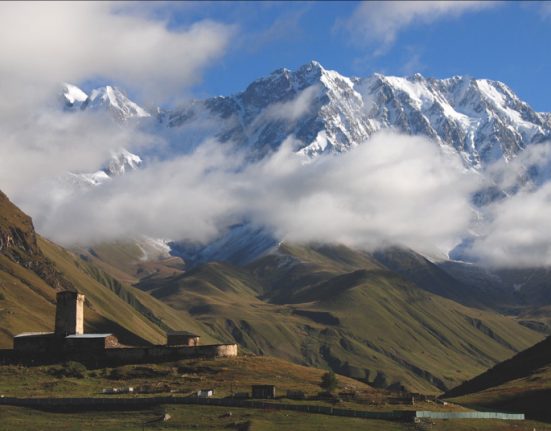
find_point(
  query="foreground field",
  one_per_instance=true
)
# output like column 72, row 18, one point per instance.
column 224, row 376
column 217, row 418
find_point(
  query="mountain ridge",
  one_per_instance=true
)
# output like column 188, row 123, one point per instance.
column 482, row 120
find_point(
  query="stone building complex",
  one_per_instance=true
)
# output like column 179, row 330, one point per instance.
column 69, row 342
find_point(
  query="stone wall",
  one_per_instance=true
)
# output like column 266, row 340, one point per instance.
column 41, row 343
column 169, row 353
column 121, row 356
column 87, row 344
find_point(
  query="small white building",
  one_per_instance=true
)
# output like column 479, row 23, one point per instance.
column 205, row 393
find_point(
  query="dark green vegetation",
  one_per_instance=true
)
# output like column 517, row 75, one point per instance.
column 329, row 382
column 521, row 384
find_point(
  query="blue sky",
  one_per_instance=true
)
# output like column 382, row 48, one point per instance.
column 504, row 41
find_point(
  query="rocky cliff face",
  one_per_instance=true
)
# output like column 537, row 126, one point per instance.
column 17, row 234
column 18, row 242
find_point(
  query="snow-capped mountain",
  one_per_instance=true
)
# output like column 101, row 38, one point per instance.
column 120, row 163
column 239, row 245
column 122, row 109
column 482, row 120
column 327, row 112
column 106, row 98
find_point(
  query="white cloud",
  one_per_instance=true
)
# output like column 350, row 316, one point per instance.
column 545, row 9
column 46, row 145
column 186, row 197
column 529, row 169
column 391, row 190
column 291, row 110
column 44, row 43
column 519, row 232
column 380, row 22
column 516, row 230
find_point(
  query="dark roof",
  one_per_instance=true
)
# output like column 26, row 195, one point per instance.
column 88, row 335
column 68, row 292
column 184, row 333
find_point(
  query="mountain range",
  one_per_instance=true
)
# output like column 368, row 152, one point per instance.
column 480, row 120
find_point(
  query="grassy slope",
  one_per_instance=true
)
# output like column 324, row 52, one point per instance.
column 312, row 305
column 522, row 383
column 126, row 261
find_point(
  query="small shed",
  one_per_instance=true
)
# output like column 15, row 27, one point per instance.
column 263, row 391
column 205, row 393
column 181, row 338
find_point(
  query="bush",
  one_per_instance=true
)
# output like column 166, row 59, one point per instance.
column 69, row 369
column 329, row 381
column 116, row 374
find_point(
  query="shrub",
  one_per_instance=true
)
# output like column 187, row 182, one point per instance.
column 329, row 381
column 116, row 374
column 69, row 369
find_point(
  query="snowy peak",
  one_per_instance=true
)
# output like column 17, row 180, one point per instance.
column 122, row 162
column 480, row 119
column 107, row 98
column 114, row 100
column 483, row 120
column 72, row 95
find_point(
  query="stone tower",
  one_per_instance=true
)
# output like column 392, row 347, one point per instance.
column 69, row 313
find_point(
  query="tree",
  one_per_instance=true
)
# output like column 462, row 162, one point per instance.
column 329, row 381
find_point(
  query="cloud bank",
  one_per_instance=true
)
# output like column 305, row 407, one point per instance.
column 515, row 229
column 391, row 190
column 519, row 231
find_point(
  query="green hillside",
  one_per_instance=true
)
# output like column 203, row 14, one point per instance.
column 522, row 383
column 335, row 307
